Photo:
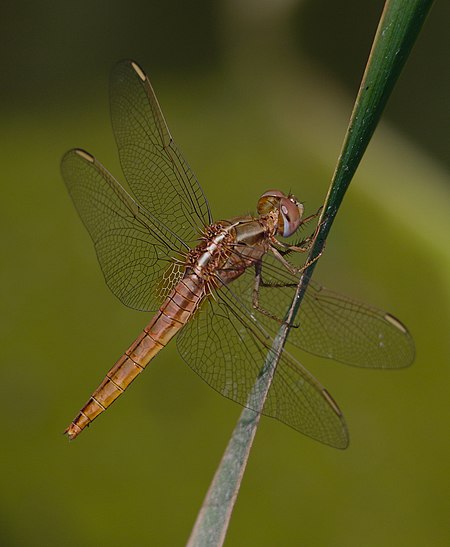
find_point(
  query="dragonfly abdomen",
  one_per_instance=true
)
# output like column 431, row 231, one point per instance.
column 176, row 310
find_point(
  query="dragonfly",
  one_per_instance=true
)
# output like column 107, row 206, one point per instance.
column 223, row 287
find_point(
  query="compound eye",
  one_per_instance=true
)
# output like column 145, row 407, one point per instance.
column 269, row 201
column 290, row 216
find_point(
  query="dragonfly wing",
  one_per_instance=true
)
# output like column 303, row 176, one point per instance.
column 227, row 348
column 328, row 324
column 340, row 328
column 154, row 168
column 134, row 249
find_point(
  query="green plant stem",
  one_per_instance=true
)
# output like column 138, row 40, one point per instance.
column 397, row 31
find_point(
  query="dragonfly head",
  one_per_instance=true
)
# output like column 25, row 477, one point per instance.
column 290, row 211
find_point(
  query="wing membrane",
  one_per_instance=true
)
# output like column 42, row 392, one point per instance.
column 134, row 249
column 328, row 324
column 154, row 168
column 227, row 349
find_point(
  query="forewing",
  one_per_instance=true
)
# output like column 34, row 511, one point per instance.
column 134, row 249
column 328, row 324
column 226, row 347
column 154, row 168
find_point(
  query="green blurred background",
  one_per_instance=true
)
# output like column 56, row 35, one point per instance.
column 258, row 95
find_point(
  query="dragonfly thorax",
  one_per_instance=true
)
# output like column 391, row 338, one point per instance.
column 212, row 251
column 289, row 211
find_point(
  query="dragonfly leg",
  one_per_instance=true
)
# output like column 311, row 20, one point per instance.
column 290, row 267
column 259, row 282
column 314, row 215
column 301, row 247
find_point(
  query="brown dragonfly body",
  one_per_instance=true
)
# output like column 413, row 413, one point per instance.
column 247, row 238
column 223, row 287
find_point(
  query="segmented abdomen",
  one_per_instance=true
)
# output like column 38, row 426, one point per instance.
column 170, row 318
